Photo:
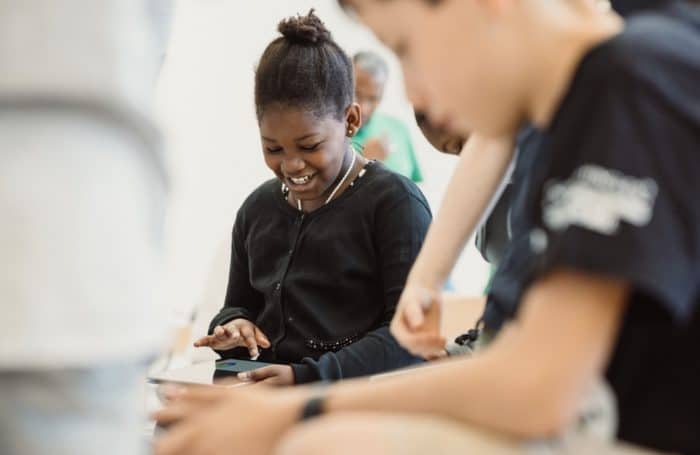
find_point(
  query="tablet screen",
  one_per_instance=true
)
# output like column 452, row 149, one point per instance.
column 238, row 366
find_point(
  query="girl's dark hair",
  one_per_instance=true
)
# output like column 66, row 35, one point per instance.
column 304, row 68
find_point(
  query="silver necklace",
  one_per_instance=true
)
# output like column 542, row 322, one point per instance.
column 337, row 187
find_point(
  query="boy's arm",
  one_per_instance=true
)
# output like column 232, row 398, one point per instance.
column 474, row 183
column 529, row 382
column 481, row 169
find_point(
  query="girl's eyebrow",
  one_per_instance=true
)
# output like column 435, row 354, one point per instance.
column 306, row 136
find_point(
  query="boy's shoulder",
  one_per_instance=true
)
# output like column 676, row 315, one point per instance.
column 654, row 47
column 650, row 68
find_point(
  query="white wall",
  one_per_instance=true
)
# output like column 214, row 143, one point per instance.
column 205, row 102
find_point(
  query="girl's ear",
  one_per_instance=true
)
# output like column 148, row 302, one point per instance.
column 353, row 119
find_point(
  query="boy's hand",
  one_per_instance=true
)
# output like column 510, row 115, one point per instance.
column 416, row 323
column 212, row 421
column 233, row 334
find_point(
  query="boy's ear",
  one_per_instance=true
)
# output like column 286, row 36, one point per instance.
column 353, row 119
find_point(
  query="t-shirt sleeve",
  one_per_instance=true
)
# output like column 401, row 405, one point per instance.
column 612, row 201
column 417, row 174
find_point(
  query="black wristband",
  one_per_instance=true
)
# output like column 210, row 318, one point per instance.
column 313, row 407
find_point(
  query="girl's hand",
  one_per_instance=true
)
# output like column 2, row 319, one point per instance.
column 233, row 334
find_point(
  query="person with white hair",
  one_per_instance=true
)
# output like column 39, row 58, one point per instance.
column 381, row 137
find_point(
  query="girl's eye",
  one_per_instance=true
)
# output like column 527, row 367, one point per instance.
column 310, row 148
column 273, row 150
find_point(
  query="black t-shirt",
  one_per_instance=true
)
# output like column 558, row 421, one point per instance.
column 323, row 286
column 613, row 190
column 502, row 301
column 628, row 7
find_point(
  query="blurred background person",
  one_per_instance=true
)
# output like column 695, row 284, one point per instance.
column 382, row 137
column 82, row 197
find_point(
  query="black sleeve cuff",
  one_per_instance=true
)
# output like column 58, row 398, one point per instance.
column 304, row 373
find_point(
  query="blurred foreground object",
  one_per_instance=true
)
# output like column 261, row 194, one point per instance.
column 82, row 197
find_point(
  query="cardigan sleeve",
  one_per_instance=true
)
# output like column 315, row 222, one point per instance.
column 242, row 300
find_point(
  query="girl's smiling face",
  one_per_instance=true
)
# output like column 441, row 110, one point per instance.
column 306, row 151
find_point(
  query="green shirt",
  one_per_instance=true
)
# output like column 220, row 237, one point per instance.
column 402, row 157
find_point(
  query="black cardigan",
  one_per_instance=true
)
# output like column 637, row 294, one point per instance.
column 323, row 286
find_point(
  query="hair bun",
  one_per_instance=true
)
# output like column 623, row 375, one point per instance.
column 307, row 29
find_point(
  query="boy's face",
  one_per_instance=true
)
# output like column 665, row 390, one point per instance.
column 443, row 140
column 458, row 58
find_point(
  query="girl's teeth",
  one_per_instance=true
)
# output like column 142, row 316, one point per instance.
column 300, row 181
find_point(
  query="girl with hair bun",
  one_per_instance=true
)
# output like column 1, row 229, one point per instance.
column 319, row 253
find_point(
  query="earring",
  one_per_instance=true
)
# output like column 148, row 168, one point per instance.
column 350, row 132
